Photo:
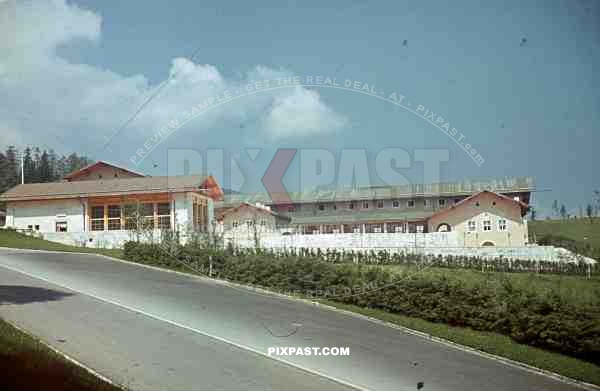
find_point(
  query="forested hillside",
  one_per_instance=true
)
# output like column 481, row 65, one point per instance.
column 38, row 166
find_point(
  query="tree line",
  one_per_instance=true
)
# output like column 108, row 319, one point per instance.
column 39, row 166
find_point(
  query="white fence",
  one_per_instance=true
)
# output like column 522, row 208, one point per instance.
column 347, row 241
column 433, row 243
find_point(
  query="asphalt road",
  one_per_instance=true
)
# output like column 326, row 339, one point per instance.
column 154, row 330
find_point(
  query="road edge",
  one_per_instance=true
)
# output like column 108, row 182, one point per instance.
column 72, row 360
column 269, row 293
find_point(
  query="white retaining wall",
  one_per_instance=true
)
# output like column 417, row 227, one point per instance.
column 97, row 239
column 434, row 243
column 348, row 241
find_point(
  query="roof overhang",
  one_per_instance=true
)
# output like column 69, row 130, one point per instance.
column 101, row 163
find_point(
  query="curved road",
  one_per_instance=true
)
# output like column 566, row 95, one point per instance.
column 155, row 330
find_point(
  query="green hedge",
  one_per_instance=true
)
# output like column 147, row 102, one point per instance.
column 541, row 320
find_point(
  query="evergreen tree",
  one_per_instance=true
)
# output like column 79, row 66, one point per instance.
column 563, row 211
column 53, row 159
column 45, row 172
column 28, row 166
column 555, row 208
column 4, row 173
column 589, row 210
column 13, row 168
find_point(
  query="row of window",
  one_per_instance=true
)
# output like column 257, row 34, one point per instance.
column 379, row 204
column 369, row 228
column 121, row 217
column 486, row 225
column 249, row 223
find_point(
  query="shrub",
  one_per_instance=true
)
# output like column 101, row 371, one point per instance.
column 537, row 319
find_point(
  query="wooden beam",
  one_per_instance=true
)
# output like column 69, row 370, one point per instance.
column 105, row 217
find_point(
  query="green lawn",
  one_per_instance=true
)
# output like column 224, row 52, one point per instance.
column 572, row 289
column 581, row 230
column 579, row 235
column 10, row 238
column 493, row 343
column 27, row 364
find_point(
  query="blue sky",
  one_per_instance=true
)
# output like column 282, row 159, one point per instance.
column 77, row 70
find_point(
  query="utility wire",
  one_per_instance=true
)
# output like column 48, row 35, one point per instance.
column 145, row 103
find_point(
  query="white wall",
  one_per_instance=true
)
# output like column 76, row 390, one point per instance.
column 99, row 239
column 349, row 241
column 435, row 243
column 45, row 214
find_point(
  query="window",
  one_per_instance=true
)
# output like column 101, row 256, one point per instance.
column 140, row 217
column 114, row 217
column 395, row 204
column 441, row 202
column 61, row 226
column 410, row 203
column 37, row 227
column 321, row 207
column 249, row 223
column 427, row 203
column 487, row 225
column 398, row 229
column 472, row 226
column 380, row 204
column 377, row 228
column 290, row 209
column 164, row 216
column 365, row 204
column 235, row 224
column 502, row 225
column 419, row 228
column 30, row 227
column 356, row 230
column 97, row 220
column 352, row 205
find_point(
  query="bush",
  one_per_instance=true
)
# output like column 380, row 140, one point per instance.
column 535, row 319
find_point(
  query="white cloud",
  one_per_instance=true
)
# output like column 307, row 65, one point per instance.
column 43, row 96
column 303, row 111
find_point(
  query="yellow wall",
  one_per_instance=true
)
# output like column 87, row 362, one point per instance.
column 458, row 218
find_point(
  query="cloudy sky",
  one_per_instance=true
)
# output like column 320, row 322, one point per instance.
column 519, row 82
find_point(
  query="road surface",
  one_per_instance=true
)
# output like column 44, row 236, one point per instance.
column 154, row 330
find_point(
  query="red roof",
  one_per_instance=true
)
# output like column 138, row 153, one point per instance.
column 212, row 187
column 524, row 206
column 101, row 163
column 245, row 205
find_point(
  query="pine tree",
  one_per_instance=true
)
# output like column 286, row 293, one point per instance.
column 45, row 172
column 53, row 159
column 563, row 211
column 13, row 167
column 4, row 173
column 28, row 166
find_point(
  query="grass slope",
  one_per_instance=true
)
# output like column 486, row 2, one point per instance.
column 27, row 364
column 580, row 230
column 13, row 239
